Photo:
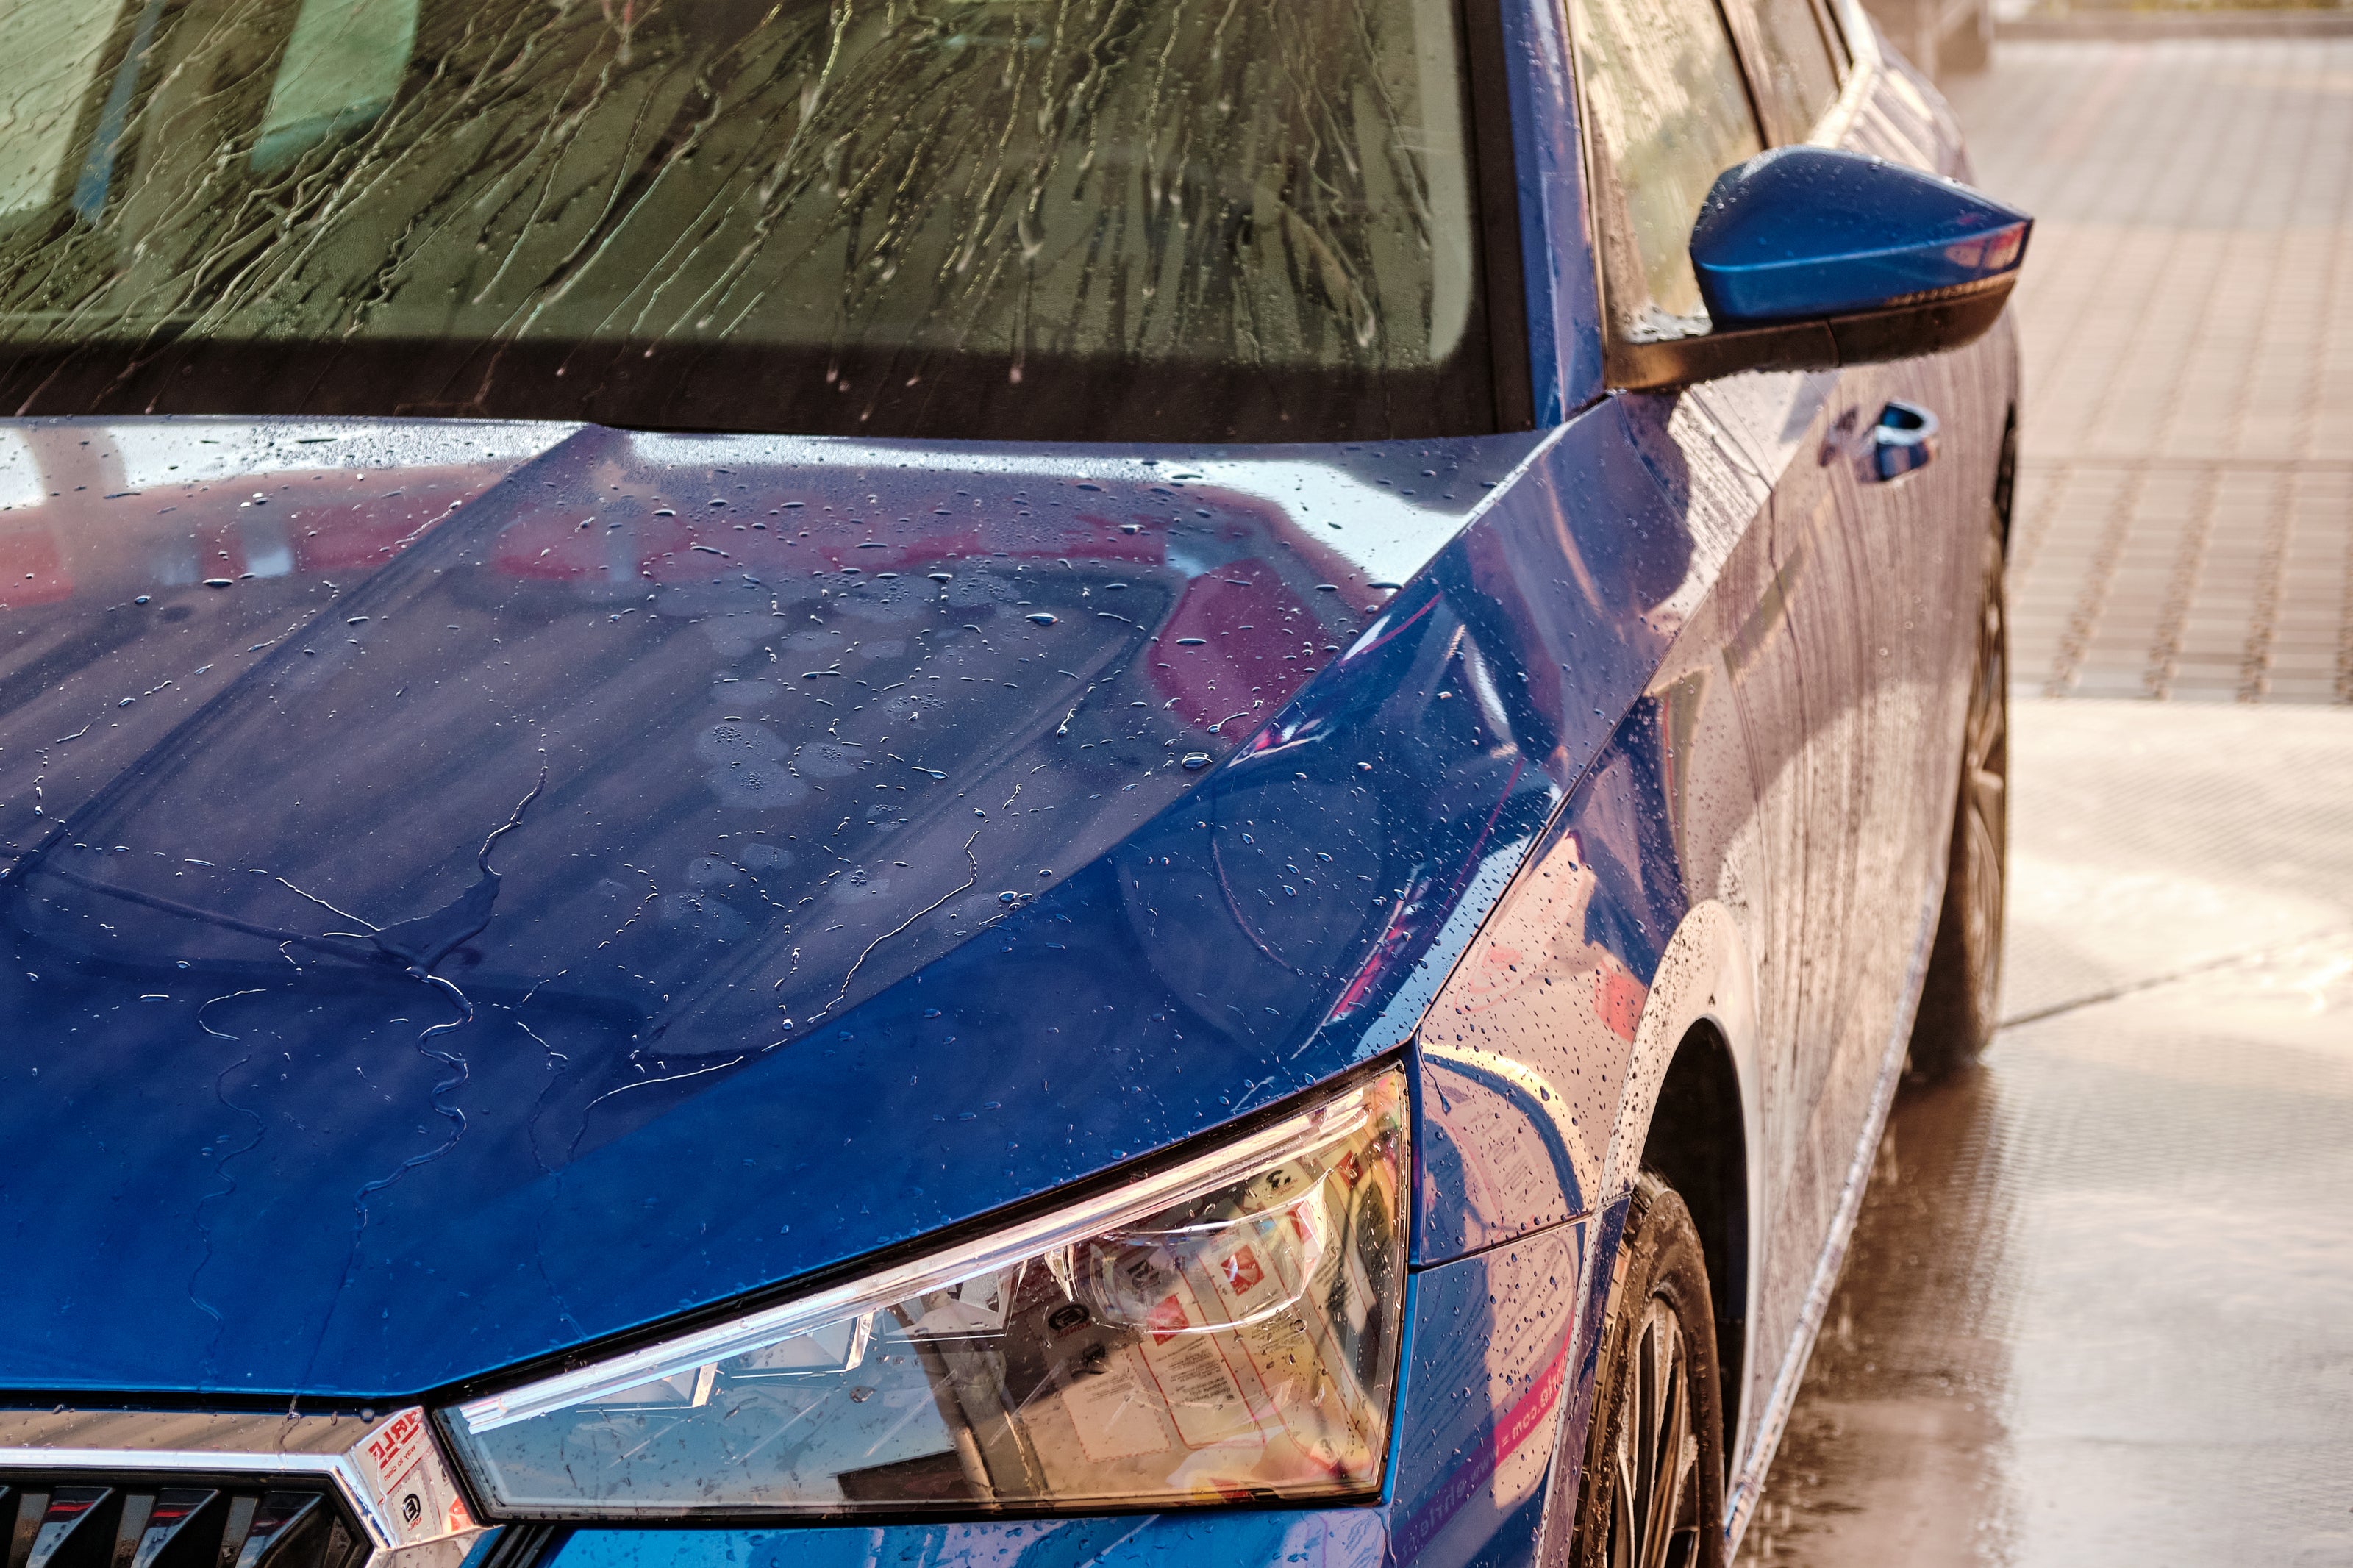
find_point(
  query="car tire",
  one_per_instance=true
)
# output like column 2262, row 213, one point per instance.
column 1652, row 1488
column 1960, row 995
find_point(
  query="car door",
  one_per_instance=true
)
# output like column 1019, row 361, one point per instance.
column 1832, row 705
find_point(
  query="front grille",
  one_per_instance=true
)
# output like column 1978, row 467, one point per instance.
column 149, row 1521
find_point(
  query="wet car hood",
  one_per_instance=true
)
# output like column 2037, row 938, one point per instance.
column 472, row 889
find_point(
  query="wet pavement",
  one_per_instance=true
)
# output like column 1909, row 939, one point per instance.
column 2099, row 1308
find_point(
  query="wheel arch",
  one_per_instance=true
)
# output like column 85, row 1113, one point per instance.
column 1688, row 1112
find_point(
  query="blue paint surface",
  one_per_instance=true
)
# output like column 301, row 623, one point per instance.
column 332, row 1164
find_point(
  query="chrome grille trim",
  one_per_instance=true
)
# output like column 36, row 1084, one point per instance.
column 192, row 1461
column 396, row 1489
column 87, row 1522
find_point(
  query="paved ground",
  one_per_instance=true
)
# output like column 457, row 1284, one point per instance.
column 2187, row 488
column 2099, row 1309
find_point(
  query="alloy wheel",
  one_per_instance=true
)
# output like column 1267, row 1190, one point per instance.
column 1983, row 831
column 1655, row 1519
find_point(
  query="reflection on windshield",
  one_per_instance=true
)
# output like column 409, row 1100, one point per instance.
column 623, row 209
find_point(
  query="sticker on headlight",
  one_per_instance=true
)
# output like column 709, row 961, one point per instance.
column 1226, row 1329
column 407, row 1483
column 1113, row 1413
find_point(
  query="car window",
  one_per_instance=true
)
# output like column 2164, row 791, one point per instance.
column 993, row 217
column 57, row 50
column 1670, row 111
column 1801, row 74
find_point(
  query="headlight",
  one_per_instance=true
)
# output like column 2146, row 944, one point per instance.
column 1226, row 1329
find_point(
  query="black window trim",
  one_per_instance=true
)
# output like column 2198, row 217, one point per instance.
column 1500, row 235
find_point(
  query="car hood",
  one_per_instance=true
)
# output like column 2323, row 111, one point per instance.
column 474, row 889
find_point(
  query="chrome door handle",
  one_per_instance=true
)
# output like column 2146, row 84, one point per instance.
column 1903, row 439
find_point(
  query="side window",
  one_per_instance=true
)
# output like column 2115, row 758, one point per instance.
column 1801, row 72
column 1669, row 111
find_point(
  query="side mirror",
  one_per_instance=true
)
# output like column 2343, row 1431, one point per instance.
column 1810, row 259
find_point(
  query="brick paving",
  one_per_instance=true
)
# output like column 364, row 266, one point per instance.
column 2186, row 480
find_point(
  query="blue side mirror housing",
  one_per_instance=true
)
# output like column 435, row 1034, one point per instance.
column 1810, row 257
column 1806, row 232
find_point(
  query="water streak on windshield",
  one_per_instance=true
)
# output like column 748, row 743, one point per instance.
column 1175, row 217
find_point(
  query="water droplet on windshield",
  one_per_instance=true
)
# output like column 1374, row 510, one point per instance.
column 1039, row 618
column 1196, row 760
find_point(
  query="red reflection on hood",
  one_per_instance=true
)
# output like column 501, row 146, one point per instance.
column 1242, row 639
column 31, row 569
column 560, row 545
column 360, row 525
column 1237, row 636
column 672, row 544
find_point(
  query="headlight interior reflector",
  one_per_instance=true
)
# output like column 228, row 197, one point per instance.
column 1223, row 1329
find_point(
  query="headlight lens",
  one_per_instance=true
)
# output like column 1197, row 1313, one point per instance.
column 1226, row 1329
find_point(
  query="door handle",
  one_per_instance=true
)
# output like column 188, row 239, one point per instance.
column 1903, row 439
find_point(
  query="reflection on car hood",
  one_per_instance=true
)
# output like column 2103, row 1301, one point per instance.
column 406, row 826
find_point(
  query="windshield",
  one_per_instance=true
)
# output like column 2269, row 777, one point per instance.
column 1162, row 219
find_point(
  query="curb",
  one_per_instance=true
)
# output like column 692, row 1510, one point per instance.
column 2134, row 25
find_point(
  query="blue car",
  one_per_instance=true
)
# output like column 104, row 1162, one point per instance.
column 970, row 784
